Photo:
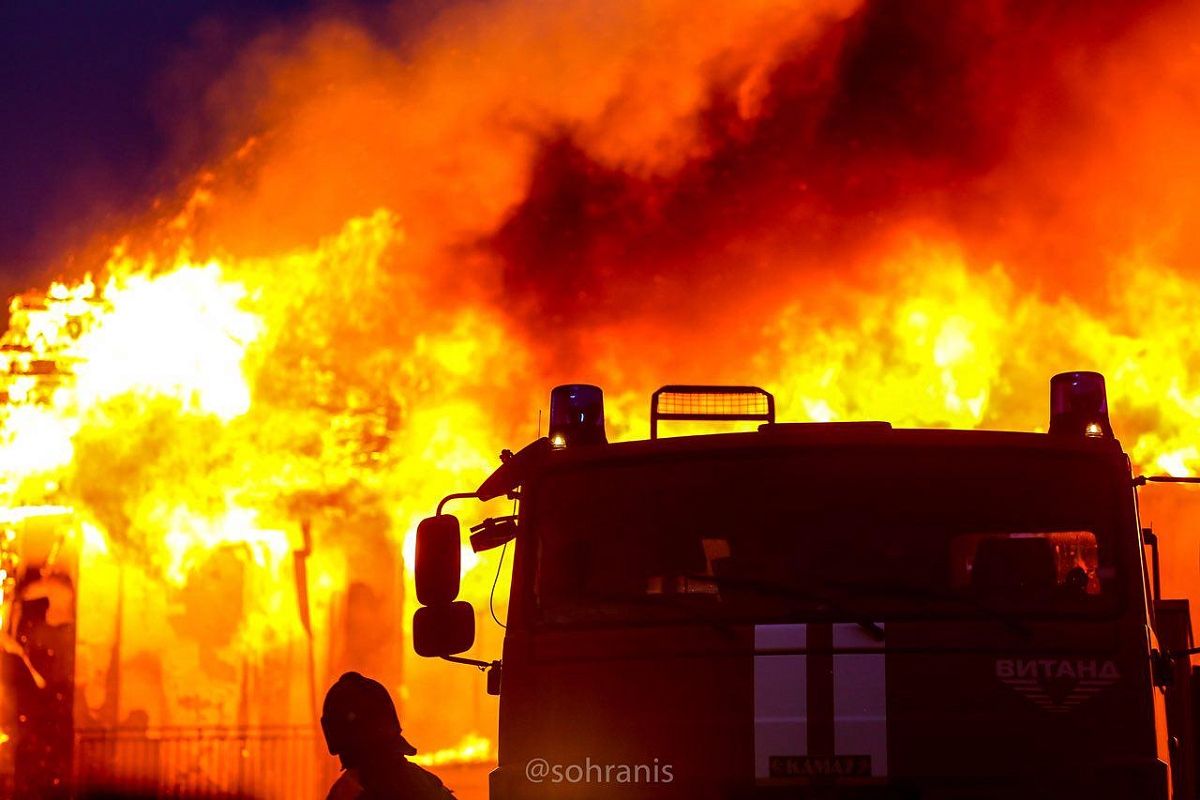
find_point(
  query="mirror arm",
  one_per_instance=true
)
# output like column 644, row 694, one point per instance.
column 1188, row 653
column 1142, row 480
column 472, row 662
column 494, row 670
column 455, row 496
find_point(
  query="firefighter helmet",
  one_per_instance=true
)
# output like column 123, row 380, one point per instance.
column 359, row 717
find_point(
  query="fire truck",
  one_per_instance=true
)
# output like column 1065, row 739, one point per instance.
column 823, row 610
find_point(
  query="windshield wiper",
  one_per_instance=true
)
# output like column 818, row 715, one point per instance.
column 795, row 591
column 924, row 592
column 680, row 613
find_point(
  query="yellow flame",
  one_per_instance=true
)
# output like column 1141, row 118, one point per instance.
column 190, row 536
column 183, row 334
column 198, row 416
column 10, row 516
column 952, row 345
column 473, row 749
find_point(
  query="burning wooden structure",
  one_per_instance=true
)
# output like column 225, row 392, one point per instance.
column 195, row 664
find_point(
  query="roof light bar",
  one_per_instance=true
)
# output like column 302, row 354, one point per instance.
column 721, row 403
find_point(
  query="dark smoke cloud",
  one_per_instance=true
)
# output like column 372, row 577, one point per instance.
column 935, row 114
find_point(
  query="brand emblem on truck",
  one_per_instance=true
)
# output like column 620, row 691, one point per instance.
column 1057, row 684
column 820, row 766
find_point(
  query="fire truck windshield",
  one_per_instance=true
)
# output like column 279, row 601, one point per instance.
column 795, row 535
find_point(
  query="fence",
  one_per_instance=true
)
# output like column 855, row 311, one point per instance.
column 204, row 762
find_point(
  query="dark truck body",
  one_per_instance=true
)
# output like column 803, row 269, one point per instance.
column 733, row 686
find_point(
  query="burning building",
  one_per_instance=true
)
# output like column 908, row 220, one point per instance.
column 400, row 238
column 198, row 650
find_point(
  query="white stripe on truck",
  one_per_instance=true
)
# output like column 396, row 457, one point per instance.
column 780, row 694
column 781, row 719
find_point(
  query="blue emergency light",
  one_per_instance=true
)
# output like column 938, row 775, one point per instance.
column 1079, row 405
column 577, row 415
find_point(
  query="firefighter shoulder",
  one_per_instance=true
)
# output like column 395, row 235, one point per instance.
column 408, row 781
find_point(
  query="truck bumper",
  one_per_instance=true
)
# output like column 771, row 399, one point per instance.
column 1140, row 780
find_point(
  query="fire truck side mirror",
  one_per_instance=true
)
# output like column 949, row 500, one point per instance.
column 444, row 629
column 439, row 560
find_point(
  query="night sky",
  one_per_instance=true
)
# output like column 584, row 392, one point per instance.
column 94, row 94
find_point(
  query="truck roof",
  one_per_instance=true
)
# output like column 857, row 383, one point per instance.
column 837, row 435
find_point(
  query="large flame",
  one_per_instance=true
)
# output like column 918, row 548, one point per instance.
column 914, row 212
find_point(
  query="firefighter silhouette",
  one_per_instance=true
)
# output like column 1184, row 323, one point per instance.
column 361, row 728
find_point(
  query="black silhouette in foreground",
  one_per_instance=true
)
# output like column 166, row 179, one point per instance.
column 361, row 728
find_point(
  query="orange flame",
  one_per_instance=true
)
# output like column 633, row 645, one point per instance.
column 264, row 391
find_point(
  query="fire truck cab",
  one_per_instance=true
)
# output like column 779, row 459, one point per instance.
column 824, row 610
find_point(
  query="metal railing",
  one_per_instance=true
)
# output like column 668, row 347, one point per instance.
column 265, row 762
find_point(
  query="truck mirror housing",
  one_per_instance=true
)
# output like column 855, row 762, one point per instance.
column 444, row 629
column 439, row 560
column 515, row 470
column 493, row 533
